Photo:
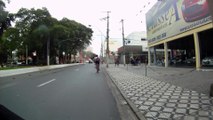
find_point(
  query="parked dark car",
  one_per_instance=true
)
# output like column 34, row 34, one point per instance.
column 193, row 10
column 190, row 61
column 176, row 61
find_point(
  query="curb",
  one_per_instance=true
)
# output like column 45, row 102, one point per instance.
column 12, row 72
column 138, row 114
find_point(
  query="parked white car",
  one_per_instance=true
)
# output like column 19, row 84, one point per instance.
column 207, row 61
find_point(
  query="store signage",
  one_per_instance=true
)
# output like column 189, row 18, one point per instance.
column 172, row 17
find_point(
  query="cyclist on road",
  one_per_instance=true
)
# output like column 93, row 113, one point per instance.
column 97, row 63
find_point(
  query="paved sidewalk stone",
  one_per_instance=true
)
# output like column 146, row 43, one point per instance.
column 158, row 100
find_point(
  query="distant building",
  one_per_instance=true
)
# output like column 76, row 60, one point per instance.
column 113, row 48
column 90, row 49
column 137, row 39
column 135, row 48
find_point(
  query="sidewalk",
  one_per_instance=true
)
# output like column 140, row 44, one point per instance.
column 158, row 99
column 189, row 78
column 5, row 73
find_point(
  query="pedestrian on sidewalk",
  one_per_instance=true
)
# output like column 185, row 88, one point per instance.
column 116, row 62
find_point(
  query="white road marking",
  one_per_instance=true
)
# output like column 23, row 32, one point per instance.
column 46, row 83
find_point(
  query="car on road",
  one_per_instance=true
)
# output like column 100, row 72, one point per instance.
column 190, row 61
column 20, row 62
column 89, row 61
column 193, row 10
column 207, row 61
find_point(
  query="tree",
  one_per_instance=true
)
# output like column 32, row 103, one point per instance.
column 11, row 40
column 5, row 19
column 76, row 36
column 35, row 28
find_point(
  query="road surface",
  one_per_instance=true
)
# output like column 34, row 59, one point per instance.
column 72, row 93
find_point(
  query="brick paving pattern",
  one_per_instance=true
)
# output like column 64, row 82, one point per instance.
column 158, row 100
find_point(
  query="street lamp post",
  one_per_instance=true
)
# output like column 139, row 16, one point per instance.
column 102, row 42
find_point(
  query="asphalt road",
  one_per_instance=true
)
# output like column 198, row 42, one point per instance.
column 72, row 93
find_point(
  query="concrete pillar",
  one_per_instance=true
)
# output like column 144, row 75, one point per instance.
column 124, row 59
column 166, row 54
column 154, row 55
column 149, row 57
column 197, row 51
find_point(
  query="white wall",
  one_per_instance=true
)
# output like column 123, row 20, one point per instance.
column 135, row 39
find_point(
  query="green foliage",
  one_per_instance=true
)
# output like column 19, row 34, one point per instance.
column 90, row 54
column 5, row 18
column 34, row 27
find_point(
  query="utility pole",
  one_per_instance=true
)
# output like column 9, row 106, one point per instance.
column 26, row 55
column 48, row 50
column 102, row 44
column 124, row 53
column 107, row 38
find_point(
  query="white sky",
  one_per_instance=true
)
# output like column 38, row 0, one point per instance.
column 89, row 12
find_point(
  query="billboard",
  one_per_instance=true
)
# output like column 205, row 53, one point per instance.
column 172, row 17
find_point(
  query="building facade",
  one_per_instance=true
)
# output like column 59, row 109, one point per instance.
column 135, row 48
column 179, row 33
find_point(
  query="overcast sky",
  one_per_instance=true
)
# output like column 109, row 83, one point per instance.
column 89, row 12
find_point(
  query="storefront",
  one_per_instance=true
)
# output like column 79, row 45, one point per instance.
column 179, row 34
column 132, row 53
